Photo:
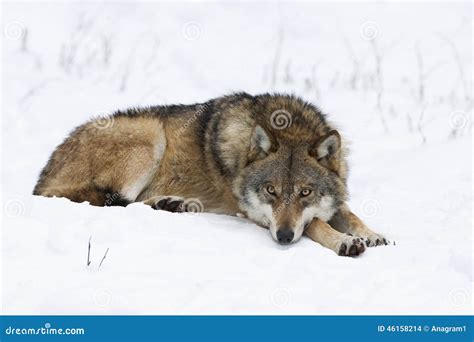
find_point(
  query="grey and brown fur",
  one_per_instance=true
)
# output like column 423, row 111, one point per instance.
column 232, row 154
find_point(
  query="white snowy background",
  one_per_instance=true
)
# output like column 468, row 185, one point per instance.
column 396, row 77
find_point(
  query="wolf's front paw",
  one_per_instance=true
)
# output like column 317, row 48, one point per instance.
column 374, row 239
column 351, row 246
column 173, row 204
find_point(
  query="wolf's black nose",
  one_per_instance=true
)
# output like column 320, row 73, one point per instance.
column 285, row 236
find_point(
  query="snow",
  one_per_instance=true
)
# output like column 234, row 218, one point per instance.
column 411, row 171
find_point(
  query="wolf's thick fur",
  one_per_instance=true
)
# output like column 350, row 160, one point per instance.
column 274, row 158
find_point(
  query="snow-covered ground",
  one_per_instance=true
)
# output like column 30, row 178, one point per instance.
column 395, row 77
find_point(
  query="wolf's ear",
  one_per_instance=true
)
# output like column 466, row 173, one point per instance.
column 327, row 146
column 260, row 143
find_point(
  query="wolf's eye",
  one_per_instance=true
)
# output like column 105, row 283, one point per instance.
column 305, row 192
column 271, row 190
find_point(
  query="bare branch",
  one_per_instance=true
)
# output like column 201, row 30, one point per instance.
column 317, row 89
column 420, row 124
column 89, row 252
column 276, row 59
column 460, row 67
column 379, row 82
column 356, row 65
column 103, row 257
column 279, row 44
column 421, row 74
column 24, row 40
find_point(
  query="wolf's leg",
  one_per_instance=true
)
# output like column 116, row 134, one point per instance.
column 173, row 204
column 340, row 243
column 95, row 196
column 347, row 222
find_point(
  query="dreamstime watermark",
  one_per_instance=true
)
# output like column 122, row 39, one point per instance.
column 281, row 119
column 201, row 109
column 370, row 207
column 102, row 297
column 193, row 205
column 458, row 119
column 287, row 201
column 460, row 296
column 280, row 297
column 14, row 30
column 46, row 330
column 14, row 207
column 191, row 30
column 111, row 198
column 267, row 222
column 103, row 120
column 369, row 30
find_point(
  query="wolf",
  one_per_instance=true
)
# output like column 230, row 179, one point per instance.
column 272, row 158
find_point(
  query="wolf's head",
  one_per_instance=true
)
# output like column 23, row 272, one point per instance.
column 284, row 186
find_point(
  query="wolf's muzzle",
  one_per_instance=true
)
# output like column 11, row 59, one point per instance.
column 285, row 236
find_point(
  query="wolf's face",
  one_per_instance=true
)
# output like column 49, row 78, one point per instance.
column 285, row 189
